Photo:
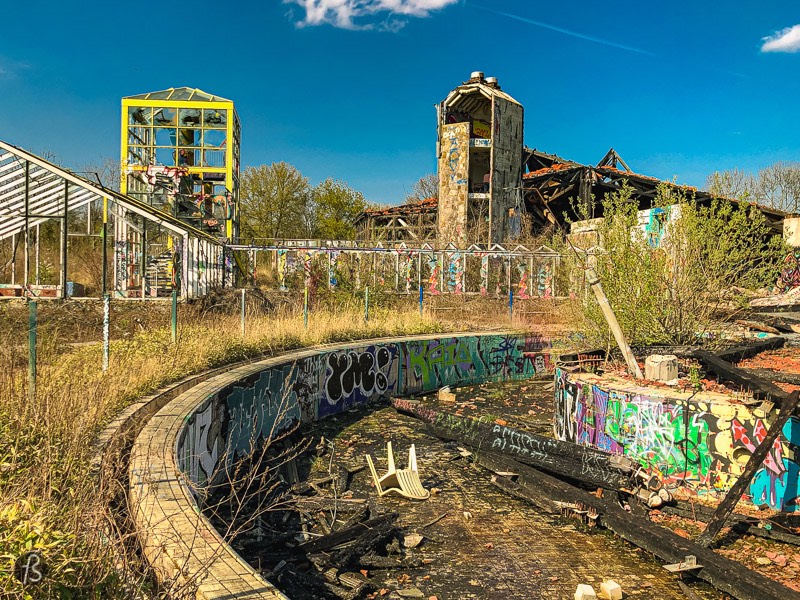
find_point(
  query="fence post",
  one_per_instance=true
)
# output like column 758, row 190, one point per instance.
column 305, row 308
column 106, row 320
column 366, row 304
column 421, row 296
column 511, row 304
column 174, row 316
column 32, row 350
column 243, row 312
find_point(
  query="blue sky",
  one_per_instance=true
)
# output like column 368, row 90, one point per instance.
column 346, row 88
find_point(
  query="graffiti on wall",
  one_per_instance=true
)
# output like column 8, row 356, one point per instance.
column 455, row 273
column 790, row 273
column 282, row 270
column 236, row 421
column 433, row 280
column 702, row 444
column 355, row 376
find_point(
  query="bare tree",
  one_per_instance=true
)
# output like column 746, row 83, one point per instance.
column 426, row 187
column 777, row 186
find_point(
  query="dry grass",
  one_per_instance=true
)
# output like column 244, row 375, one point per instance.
column 48, row 498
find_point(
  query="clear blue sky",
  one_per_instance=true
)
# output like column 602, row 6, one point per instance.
column 678, row 88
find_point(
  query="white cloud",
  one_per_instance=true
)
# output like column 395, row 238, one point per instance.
column 354, row 14
column 785, row 40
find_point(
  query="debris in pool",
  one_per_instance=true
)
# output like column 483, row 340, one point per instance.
column 405, row 482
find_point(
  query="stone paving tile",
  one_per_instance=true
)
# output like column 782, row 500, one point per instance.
column 507, row 548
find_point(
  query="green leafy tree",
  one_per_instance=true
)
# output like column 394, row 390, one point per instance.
column 336, row 206
column 276, row 202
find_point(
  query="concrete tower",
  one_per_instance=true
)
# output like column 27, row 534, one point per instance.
column 480, row 163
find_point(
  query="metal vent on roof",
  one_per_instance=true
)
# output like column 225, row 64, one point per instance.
column 476, row 75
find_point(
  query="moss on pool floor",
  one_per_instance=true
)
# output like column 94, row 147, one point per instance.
column 489, row 544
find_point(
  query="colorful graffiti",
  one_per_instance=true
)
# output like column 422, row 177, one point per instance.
column 433, row 280
column 235, row 422
column 455, row 273
column 522, row 287
column 544, row 281
column 283, row 266
column 484, row 273
column 700, row 443
column 333, row 258
column 790, row 273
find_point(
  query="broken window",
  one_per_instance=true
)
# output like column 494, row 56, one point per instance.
column 190, row 137
column 215, row 138
column 164, row 116
column 165, row 136
column 139, row 115
column 215, row 118
column 165, row 156
column 189, row 116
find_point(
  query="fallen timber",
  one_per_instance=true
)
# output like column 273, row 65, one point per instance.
column 760, row 388
column 551, row 494
column 581, row 463
column 755, row 461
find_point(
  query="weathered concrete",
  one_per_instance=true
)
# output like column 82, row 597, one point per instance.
column 193, row 440
column 702, row 440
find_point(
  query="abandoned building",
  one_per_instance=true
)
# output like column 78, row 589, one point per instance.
column 487, row 178
column 180, row 153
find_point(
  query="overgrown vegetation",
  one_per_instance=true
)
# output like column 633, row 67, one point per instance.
column 668, row 280
column 48, row 498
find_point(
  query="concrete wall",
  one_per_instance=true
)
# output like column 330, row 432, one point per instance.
column 506, row 164
column 453, row 183
column 705, row 441
column 226, row 425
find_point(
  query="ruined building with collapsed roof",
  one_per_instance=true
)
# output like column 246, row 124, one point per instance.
column 488, row 178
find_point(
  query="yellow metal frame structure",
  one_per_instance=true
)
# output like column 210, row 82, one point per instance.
column 231, row 168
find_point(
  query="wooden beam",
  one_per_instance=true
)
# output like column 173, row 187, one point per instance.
column 728, row 503
column 761, row 388
column 723, row 573
column 581, row 463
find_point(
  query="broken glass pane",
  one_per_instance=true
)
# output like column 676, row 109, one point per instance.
column 215, row 138
column 189, row 116
column 165, row 156
column 165, row 136
column 188, row 157
column 215, row 118
column 138, row 115
column 164, row 116
column 190, row 137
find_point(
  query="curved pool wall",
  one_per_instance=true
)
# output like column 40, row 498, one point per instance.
column 704, row 440
column 228, row 424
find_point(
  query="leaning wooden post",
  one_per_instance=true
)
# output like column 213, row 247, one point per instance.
column 366, row 304
column 32, row 350
column 611, row 319
column 730, row 500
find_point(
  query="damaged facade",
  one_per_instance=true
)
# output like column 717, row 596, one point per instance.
column 487, row 178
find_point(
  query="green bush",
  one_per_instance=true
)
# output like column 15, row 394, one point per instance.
column 673, row 293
